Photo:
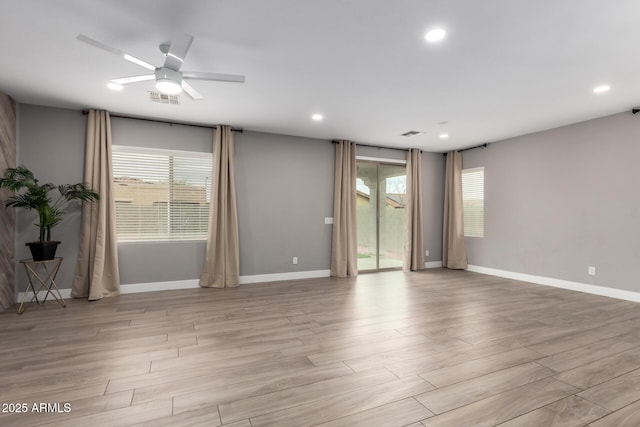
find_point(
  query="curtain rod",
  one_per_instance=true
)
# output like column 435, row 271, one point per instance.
column 122, row 116
column 485, row 145
column 335, row 141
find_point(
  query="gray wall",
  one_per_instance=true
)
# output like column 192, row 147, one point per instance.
column 284, row 189
column 433, row 165
column 381, row 153
column 561, row 200
column 556, row 201
column 51, row 144
column 141, row 133
column 284, row 186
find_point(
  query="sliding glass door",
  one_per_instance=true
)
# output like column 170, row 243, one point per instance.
column 380, row 215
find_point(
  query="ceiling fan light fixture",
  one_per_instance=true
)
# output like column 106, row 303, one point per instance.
column 168, row 81
column 115, row 86
column 168, row 86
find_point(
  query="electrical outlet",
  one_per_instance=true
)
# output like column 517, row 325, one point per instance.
column 591, row 271
column 426, row 253
column 295, row 260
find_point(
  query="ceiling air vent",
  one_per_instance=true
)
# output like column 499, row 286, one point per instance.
column 164, row 98
column 412, row 133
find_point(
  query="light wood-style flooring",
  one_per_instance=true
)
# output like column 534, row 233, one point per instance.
column 433, row 348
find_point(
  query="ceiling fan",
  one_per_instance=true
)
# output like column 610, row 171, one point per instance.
column 169, row 79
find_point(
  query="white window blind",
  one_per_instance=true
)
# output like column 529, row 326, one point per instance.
column 473, row 201
column 161, row 194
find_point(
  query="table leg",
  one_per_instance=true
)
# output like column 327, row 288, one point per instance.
column 21, row 309
column 51, row 279
column 48, row 284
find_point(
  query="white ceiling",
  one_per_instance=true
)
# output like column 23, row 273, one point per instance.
column 506, row 67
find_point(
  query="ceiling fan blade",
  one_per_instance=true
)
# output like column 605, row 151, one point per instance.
column 178, row 50
column 115, row 51
column 133, row 79
column 195, row 75
column 191, row 91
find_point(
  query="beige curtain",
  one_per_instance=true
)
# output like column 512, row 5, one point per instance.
column 344, row 244
column 97, row 273
column 221, row 267
column 413, row 245
column 454, row 253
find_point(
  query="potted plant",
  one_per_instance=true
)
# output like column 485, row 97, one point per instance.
column 36, row 197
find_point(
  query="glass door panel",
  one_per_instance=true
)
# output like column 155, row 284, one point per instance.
column 392, row 196
column 366, row 212
column 380, row 209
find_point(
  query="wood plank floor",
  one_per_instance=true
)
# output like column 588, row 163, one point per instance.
column 433, row 348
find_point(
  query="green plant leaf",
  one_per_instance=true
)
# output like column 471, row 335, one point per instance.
column 36, row 197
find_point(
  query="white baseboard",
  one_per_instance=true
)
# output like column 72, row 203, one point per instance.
column 276, row 277
column 193, row 283
column 559, row 283
column 66, row 293
column 134, row 288
column 260, row 278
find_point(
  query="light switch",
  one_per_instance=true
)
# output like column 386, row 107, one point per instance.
column 328, row 220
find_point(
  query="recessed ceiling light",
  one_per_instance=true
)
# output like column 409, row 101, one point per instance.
column 317, row 117
column 435, row 35
column 444, row 135
column 114, row 86
column 601, row 89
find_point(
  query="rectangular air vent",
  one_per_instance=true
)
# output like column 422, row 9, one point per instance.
column 412, row 133
column 164, row 98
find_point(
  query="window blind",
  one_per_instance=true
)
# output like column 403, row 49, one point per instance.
column 161, row 194
column 473, row 201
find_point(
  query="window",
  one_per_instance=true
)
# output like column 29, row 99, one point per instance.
column 161, row 194
column 473, row 201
